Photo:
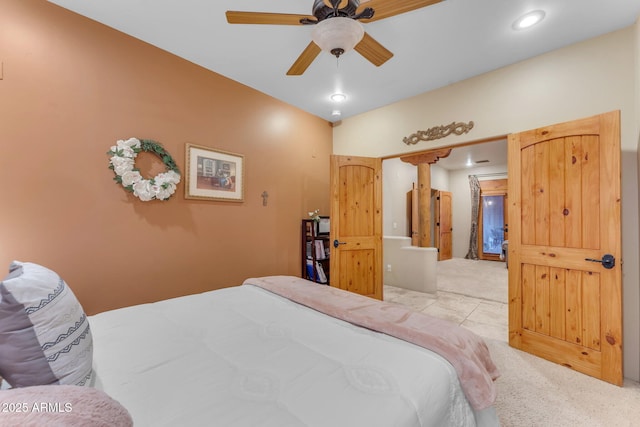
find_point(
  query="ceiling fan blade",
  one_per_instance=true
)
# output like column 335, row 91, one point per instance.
column 235, row 17
column 304, row 60
column 373, row 51
column 387, row 8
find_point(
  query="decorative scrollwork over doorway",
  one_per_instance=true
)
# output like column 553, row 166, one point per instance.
column 438, row 132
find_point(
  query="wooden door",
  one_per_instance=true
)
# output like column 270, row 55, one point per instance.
column 564, row 191
column 415, row 216
column 443, row 228
column 356, row 224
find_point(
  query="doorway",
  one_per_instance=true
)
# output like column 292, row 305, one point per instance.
column 492, row 224
column 451, row 174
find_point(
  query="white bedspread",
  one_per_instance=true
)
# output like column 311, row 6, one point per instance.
column 246, row 357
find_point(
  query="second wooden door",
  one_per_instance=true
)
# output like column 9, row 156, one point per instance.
column 356, row 224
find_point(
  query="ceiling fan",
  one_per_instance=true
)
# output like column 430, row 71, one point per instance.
column 337, row 27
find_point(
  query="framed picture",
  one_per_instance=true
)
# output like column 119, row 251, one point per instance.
column 324, row 226
column 213, row 174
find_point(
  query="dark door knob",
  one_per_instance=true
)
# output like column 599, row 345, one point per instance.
column 337, row 243
column 608, row 261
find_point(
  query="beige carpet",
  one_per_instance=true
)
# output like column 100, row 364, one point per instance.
column 480, row 279
column 532, row 391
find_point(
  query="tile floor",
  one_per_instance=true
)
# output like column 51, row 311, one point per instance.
column 486, row 318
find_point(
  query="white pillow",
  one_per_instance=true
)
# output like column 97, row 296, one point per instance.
column 44, row 333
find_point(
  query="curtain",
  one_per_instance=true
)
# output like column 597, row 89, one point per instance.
column 474, row 185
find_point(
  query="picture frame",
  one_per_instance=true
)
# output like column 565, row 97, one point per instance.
column 323, row 226
column 213, row 174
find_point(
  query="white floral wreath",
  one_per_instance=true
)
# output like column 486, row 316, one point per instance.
column 123, row 155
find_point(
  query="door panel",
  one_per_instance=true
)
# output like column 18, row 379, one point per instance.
column 564, row 188
column 413, row 220
column 356, row 224
column 443, row 225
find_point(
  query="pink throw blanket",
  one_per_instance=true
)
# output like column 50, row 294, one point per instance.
column 61, row 406
column 466, row 351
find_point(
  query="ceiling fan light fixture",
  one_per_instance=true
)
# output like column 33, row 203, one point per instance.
column 338, row 97
column 337, row 35
column 528, row 20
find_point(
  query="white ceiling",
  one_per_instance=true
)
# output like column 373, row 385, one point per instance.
column 475, row 156
column 433, row 46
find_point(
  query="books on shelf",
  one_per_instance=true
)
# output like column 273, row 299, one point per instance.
column 311, row 273
column 316, row 274
column 322, row 278
column 315, row 253
column 309, row 248
column 319, row 246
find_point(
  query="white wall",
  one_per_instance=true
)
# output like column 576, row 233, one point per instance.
column 439, row 178
column 585, row 79
column 397, row 180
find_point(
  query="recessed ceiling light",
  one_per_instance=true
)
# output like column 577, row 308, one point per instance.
column 528, row 20
column 338, row 97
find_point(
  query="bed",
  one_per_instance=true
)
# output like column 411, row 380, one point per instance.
column 246, row 356
column 282, row 351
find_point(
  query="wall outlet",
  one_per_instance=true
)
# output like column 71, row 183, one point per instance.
column 388, row 267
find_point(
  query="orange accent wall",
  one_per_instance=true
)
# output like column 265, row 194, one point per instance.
column 70, row 88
